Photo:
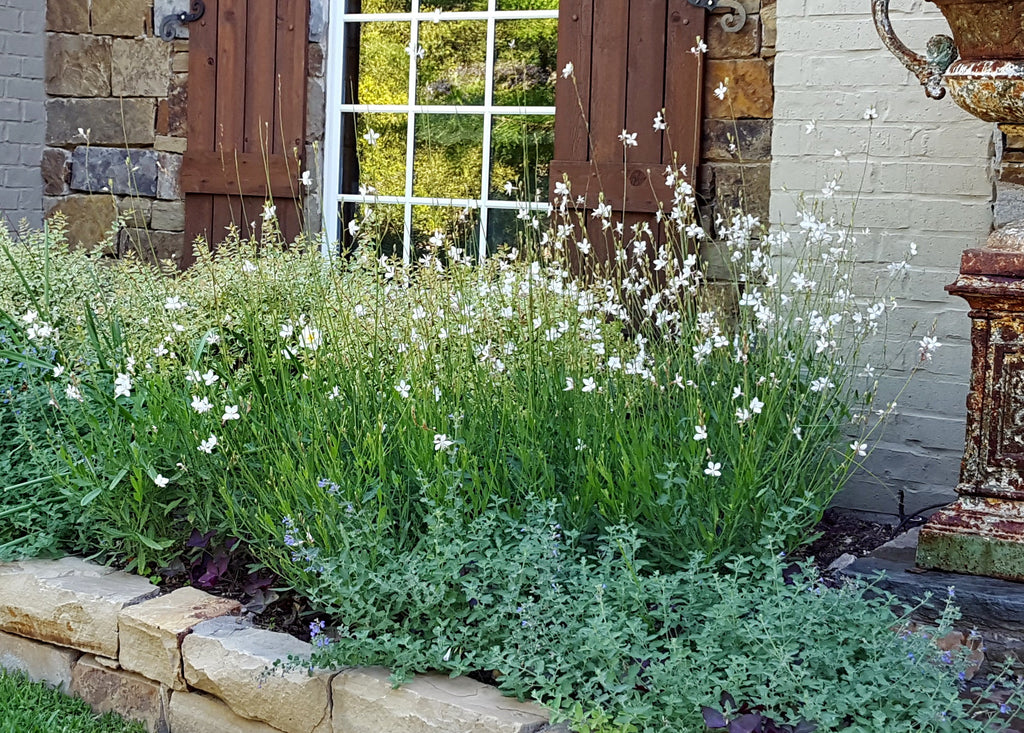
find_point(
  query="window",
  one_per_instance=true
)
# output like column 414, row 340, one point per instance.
column 440, row 118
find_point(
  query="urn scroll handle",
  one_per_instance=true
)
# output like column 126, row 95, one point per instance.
column 941, row 52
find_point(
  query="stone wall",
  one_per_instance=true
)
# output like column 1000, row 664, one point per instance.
column 21, row 110
column 188, row 662
column 923, row 174
column 115, row 126
column 737, row 133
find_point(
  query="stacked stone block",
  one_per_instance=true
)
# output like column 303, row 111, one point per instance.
column 21, row 110
column 187, row 662
column 737, row 131
column 115, row 126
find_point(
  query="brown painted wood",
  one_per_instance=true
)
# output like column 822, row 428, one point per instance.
column 632, row 58
column 246, row 116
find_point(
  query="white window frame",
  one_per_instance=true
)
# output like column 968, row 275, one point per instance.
column 333, row 198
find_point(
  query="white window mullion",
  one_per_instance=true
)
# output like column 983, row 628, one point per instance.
column 331, row 181
column 485, row 174
column 410, row 135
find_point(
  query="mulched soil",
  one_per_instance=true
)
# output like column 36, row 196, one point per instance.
column 841, row 533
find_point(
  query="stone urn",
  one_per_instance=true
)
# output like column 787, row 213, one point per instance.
column 982, row 67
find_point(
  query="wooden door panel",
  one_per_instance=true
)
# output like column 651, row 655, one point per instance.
column 246, row 116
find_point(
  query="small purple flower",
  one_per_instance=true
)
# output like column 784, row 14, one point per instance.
column 1004, row 708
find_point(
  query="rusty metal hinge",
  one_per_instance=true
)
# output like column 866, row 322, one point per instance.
column 732, row 22
column 168, row 27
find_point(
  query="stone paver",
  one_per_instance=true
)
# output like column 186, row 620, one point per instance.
column 193, row 712
column 235, row 662
column 365, row 702
column 152, row 631
column 69, row 602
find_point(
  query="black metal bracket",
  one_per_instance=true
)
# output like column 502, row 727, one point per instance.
column 732, row 22
column 169, row 25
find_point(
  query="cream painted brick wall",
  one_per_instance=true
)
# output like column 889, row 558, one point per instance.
column 926, row 172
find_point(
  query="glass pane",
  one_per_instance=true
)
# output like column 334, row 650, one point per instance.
column 525, row 60
column 527, row 4
column 452, row 70
column 522, row 146
column 380, row 145
column 503, row 229
column 379, row 6
column 444, row 227
column 383, row 64
column 381, row 227
column 449, row 156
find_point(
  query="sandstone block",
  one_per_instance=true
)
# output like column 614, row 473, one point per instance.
column 121, row 17
column 192, row 712
column 744, row 43
column 364, row 702
column 235, row 661
column 69, row 602
column 743, row 185
column 154, row 246
column 732, row 140
column 172, row 113
column 135, row 211
column 89, row 220
column 77, row 66
column 56, row 170
column 169, row 181
column 39, row 662
column 109, row 690
column 168, row 144
column 109, row 121
column 749, row 84
column 141, row 67
column 68, row 16
column 179, row 63
column 114, row 170
column 152, row 631
column 769, row 26
column 169, row 216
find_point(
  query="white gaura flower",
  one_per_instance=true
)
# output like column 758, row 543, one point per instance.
column 928, row 346
column 437, row 393
column 201, row 405
column 73, row 393
column 210, row 378
column 821, row 384
column 700, row 433
column 659, row 121
column 713, row 469
column 58, row 370
column 403, row 389
column 567, row 70
column 230, row 413
column 699, row 48
column 810, row 127
column 589, row 384
column 721, row 90
column 174, row 303
column 161, row 481
column 30, row 317
column 310, row 338
column 570, row 384
column 306, row 179
column 756, row 406
column 269, row 211
column 742, row 415
column 160, row 350
column 248, row 267
column 442, row 442
column 371, row 137
column 123, row 385
column 871, row 113
column 209, row 444
column 628, row 139
column 798, row 432
column 861, row 449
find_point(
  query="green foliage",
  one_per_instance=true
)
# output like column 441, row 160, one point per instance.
column 612, row 644
column 29, row 707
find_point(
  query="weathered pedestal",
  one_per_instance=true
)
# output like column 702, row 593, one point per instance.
column 983, row 532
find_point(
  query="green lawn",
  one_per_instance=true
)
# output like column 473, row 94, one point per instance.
column 27, row 707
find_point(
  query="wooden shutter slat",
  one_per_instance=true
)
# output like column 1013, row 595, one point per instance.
column 645, row 76
column 642, row 187
column 251, row 174
column 575, row 26
column 259, row 79
column 683, row 83
column 608, row 79
column 292, row 21
column 230, row 102
column 202, row 79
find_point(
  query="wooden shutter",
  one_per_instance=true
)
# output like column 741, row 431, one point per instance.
column 631, row 58
column 246, row 115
